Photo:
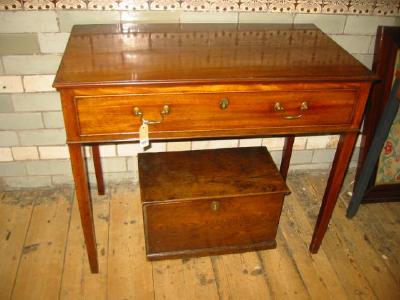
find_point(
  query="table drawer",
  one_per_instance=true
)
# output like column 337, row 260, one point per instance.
column 112, row 114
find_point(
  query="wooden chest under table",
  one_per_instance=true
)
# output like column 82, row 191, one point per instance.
column 213, row 201
column 196, row 81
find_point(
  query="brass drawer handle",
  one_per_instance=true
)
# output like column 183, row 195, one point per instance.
column 224, row 103
column 278, row 107
column 215, row 205
column 138, row 113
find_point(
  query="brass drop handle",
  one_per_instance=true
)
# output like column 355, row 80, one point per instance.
column 224, row 103
column 278, row 107
column 138, row 113
column 215, row 205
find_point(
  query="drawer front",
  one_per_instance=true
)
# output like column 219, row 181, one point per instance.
column 214, row 111
column 207, row 226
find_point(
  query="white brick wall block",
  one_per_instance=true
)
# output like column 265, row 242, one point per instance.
column 299, row 143
column 198, row 145
column 28, row 21
column 301, row 157
column 353, row 43
column 179, row 146
column 5, row 154
column 19, row 182
column 110, row 164
column 322, row 142
column 245, row 17
column 208, row 17
column 367, row 24
column 323, row 155
column 150, row 16
column 42, row 137
column 372, row 45
column 31, row 64
column 273, row 143
column 365, row 59
column 107, row 151
column 217, row 144
column 69, row 18
column 327, row 23
column 250, row 142
column 20, row 121
column 156, row 147
column 53, row 42
column 1, row 68
column 37, row 102
column 39, row 83
column 53, row 119
column 128, row 149
column 6, row 104
column 53, row 152
column 8, row 138
column 25, row 153
column 11, row 84
column 48, row 167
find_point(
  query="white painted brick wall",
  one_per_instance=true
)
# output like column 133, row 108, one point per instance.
column 32, row 139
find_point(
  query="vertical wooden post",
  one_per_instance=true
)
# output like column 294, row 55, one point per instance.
column 85, row 206
column 98, row 169
column 286, row 155
column 335, row 181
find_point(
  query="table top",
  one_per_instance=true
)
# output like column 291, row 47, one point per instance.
column 129, row 54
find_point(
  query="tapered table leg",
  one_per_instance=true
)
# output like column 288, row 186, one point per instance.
column 286, row 155
column 335, row 181
column 84, row 202
column 98, row 169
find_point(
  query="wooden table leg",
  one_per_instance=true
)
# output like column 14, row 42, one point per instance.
column 98, row 169
column 286, row 155
column 85, row 206
column 335, row 181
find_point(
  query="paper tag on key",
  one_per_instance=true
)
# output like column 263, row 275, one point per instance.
column 144, row 135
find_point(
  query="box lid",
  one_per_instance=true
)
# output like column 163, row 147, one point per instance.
column 200, row 174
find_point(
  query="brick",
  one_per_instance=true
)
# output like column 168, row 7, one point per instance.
column 14, row 168
column 53, row 152
column 365, row 59
column 216, row 144
column 53, row 42
column 327, row 23
column 301, row 157
column 62, row 180
column 6, row 104
column 313, row 166
column 128, row 149
column 276, row 157
column 179, row 146
column 39, row 83
column 20, row 121
column 69, row 18
column 150, row 16
column 22, row 182
column 1, row 68
column 371, row 49
column 36, row 102
column 250, row 142
column 48, row 167
column 107, row 151
column 208, row 17
column 42, row 137
column 53, row 119
column 250, row 17
column 25, row 153
column 120, row 177
column 8, row 138
column 322, row 142
column 367, row 24
column 31, row 64
column 199, row 145
column 110, row 164
column 353, row 43
column 11, row 84
column 20, row 43
column 273, row 143
column 28, row 21
column 132, row 164
column 299, row 143
column 323, row 155
column 157, row 147
column 5, row 154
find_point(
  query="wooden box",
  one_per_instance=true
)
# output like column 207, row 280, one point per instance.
column 209, row 201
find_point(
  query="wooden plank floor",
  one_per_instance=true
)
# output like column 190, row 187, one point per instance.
column 42, row 253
